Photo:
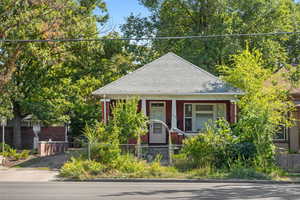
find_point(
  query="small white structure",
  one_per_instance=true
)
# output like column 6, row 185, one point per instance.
column 36, row 129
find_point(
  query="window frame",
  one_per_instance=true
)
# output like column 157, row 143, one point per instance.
column 194, row 112
column 285, row 134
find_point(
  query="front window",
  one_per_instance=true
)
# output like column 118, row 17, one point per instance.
column 281, row 133
column 197, row 115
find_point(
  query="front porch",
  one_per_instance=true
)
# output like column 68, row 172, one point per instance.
column 183, row 117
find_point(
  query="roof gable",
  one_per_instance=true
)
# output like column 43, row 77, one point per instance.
column 170, row 75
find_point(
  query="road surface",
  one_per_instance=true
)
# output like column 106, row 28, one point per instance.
column 145, row 191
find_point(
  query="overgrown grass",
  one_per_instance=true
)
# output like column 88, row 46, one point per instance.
column 127, row 166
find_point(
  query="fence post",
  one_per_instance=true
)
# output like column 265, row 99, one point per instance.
column 89, row 151
column 139, row 147
column 170, row 148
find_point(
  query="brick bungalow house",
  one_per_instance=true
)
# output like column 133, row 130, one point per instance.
column 176, row 92
column 183, row 96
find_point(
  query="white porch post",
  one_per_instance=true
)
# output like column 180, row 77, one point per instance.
column 174, row 115
column 143, row 107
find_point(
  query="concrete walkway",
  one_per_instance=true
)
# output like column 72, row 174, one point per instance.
column 26, row 175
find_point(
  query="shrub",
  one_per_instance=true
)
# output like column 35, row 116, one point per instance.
column 104, row 143
column 242, row 150
column 183, row 163
column 24, row 154
column 131, row 123
column 81, row 169
column 13, row 154
column 129, row 164
column 6, row 147
column 210, row 148
column 265, row 105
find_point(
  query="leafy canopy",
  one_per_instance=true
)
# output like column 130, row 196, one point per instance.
column 202, row 17
column 264, row 107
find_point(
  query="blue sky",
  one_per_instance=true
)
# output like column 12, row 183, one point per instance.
column 120, row 9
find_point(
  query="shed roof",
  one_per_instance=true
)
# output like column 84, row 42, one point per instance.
column 168, row 75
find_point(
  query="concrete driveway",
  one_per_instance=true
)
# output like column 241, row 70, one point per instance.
column 26, row 175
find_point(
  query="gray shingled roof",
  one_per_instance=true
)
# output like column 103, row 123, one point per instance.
column 167, row 75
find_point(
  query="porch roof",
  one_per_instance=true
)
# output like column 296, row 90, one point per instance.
column 168, row 75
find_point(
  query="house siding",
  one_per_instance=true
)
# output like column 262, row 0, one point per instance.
column 54, row 133
column 230, row 115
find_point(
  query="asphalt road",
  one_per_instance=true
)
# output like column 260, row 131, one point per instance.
column 144, row 191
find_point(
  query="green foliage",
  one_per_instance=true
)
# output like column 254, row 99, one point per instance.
column 131, row 123
column 13, row 154
column 202, row 17
column 264, row 106
column 6, row 147
column 183, row 163
column 246, row 173
column 81, row 169
column 241, row 170
column 24, row 154
column 211, row 147
column 129, row 164
column 124, row 166
column 54, row 81
column 104, row 142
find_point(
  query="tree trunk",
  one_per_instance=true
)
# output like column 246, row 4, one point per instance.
column 17, row 126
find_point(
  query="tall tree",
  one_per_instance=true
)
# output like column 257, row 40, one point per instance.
column 50, row 79
column 203, row 17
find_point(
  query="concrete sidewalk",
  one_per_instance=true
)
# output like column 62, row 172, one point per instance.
column 27, row 175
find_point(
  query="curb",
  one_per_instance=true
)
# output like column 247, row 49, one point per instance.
column 151, row 180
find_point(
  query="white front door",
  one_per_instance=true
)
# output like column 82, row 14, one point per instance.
column 157, row 130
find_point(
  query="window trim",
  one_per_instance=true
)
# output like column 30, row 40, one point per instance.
column 194, row 112
column 286, row 135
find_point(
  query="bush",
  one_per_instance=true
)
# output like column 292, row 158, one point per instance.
column 265, row 105
column 129, row 164
column 13, row 154
column 183, row 163
column 6, row 147
column 104, row 143
column 210, row 148
column 131, row 123
column 81, row 169
column 242, row 150
column 24, row 154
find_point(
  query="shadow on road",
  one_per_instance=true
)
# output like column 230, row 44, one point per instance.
column 288, row 192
